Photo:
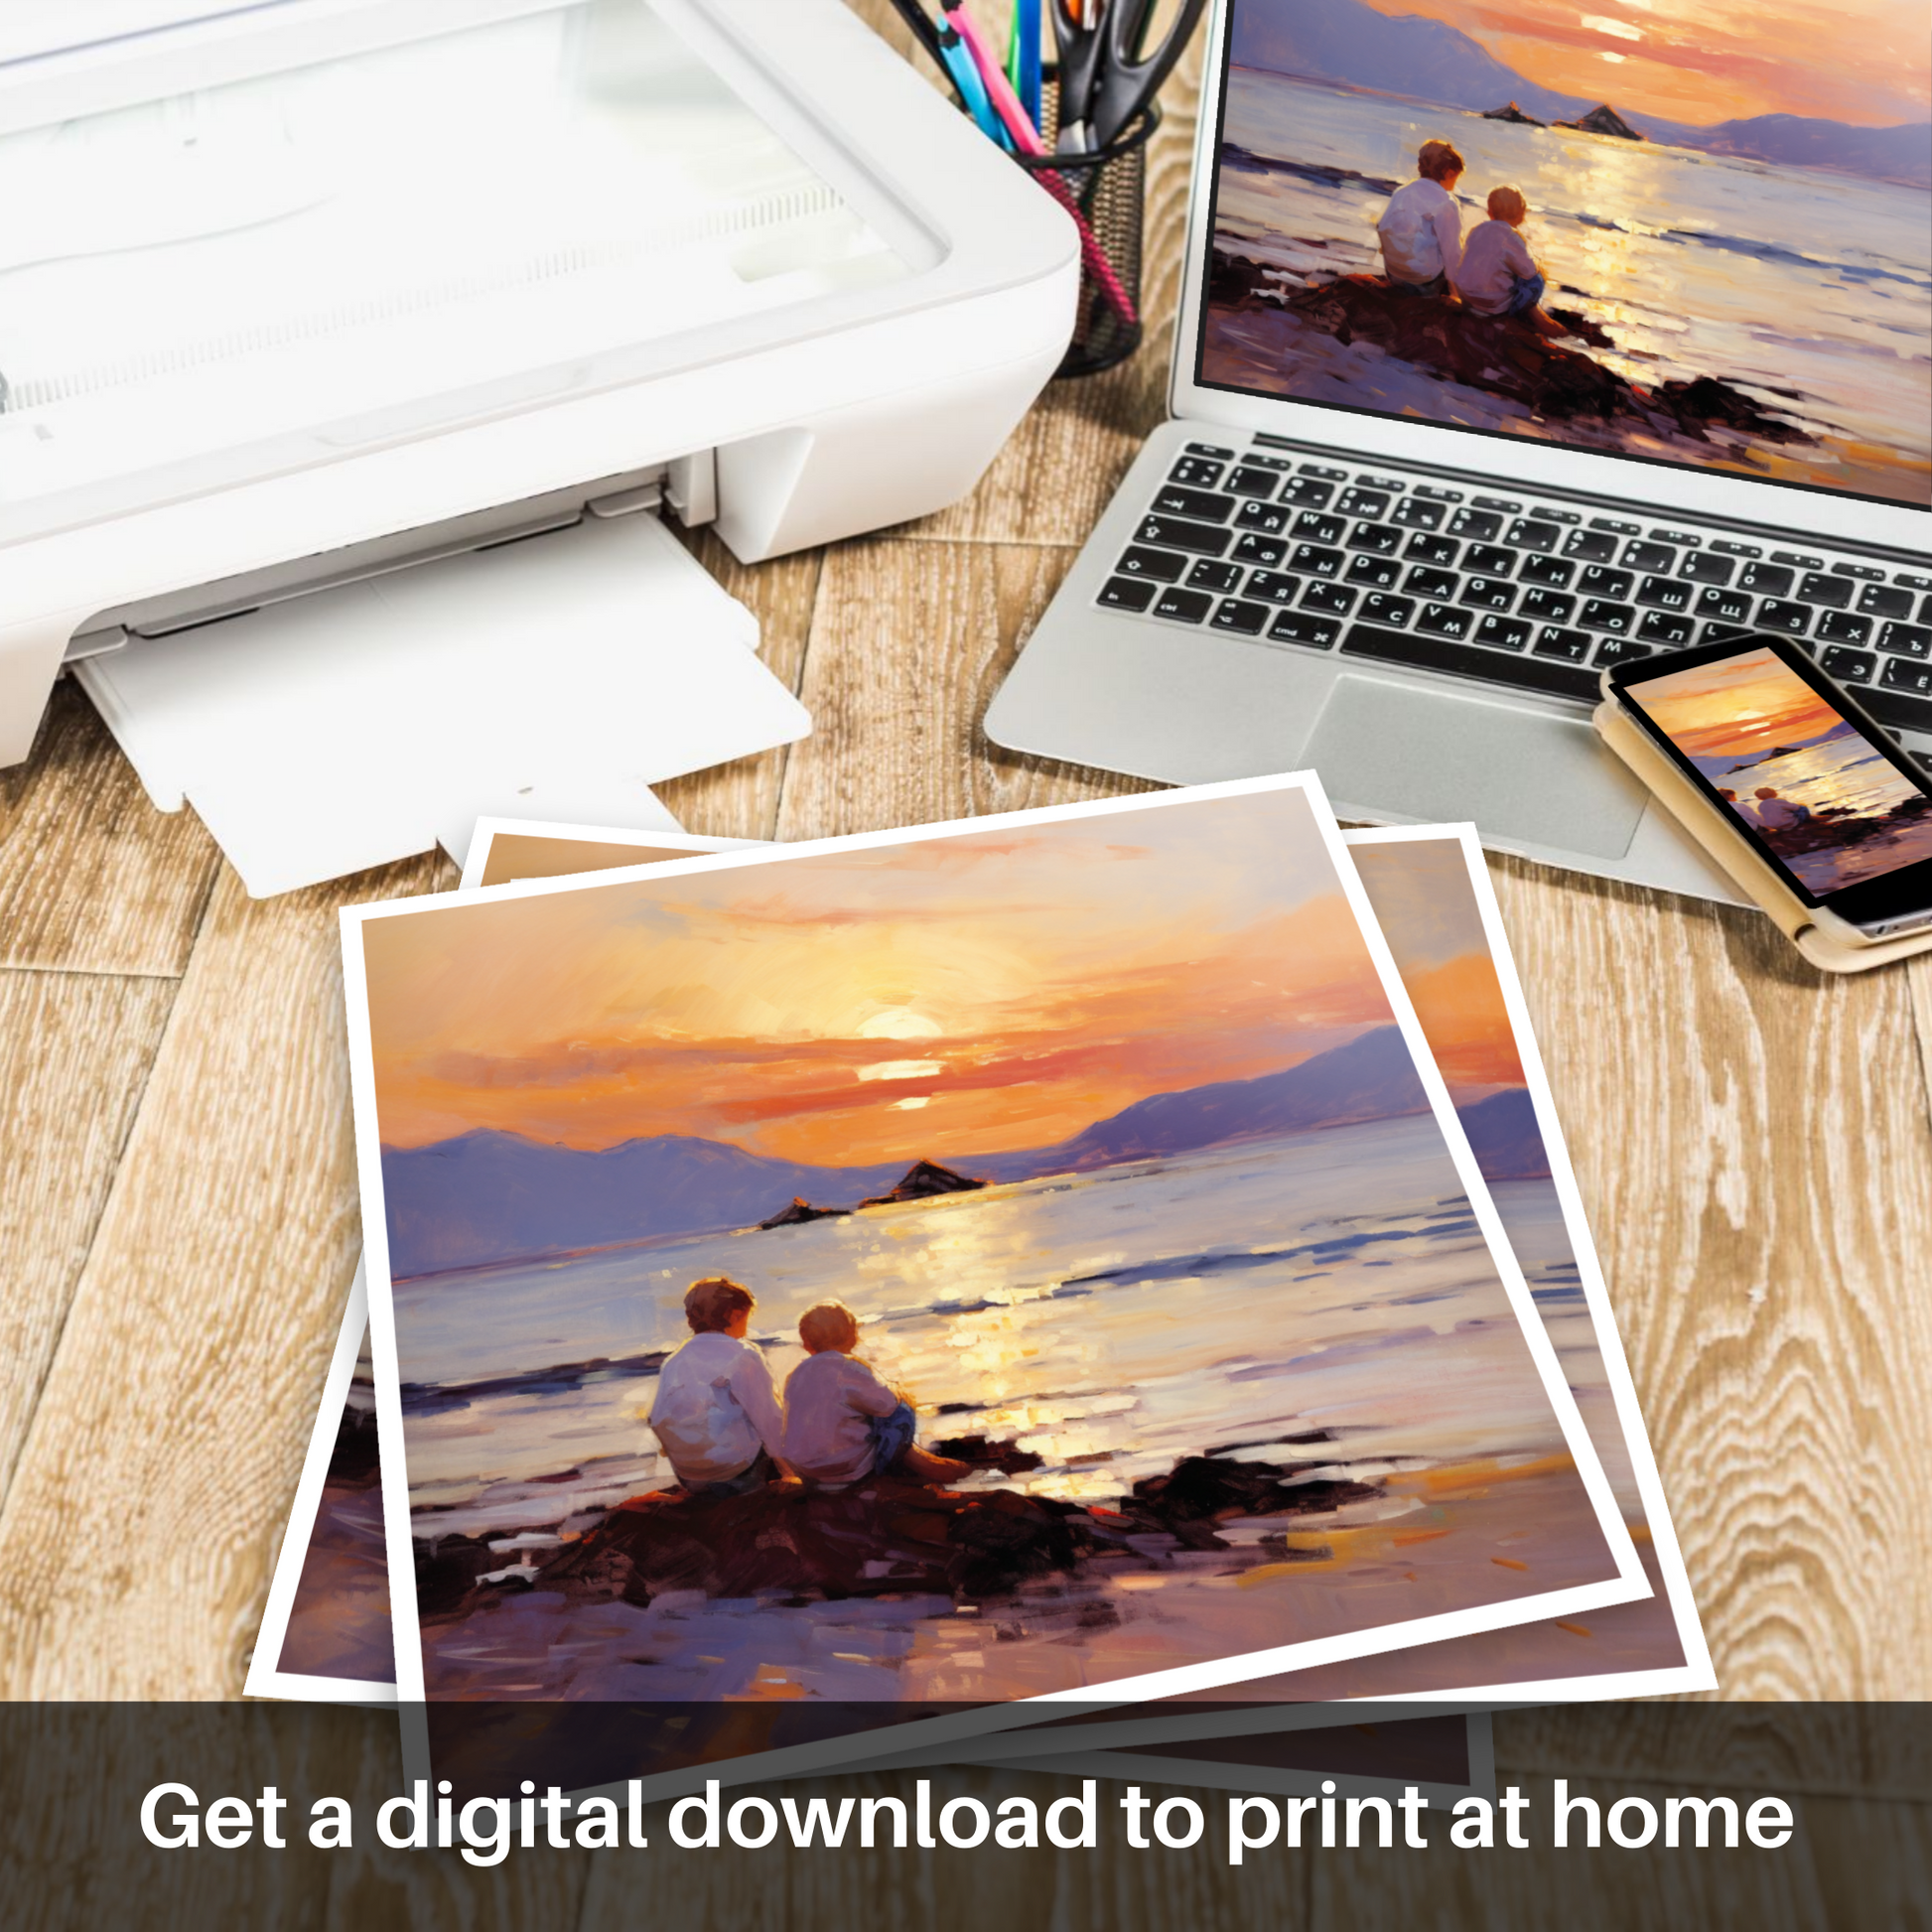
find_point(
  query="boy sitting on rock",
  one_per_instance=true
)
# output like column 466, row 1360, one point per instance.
column 1498, row 275
column 842, row 1423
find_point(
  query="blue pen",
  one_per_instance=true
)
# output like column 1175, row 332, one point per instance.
column 965, row 77
column 1025, row 82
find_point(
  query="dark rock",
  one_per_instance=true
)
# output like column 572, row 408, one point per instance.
column 1202, row 1488
column 1583, row 327
column 924, row 1180
column 1513, row 113
column 984, row 1453
column 446, row 1569
column 1706, row 400
column 802, row 1210
column 1602, row 120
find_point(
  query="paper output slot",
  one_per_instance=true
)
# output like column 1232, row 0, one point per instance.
column 359, row 724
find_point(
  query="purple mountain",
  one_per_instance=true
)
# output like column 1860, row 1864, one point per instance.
column 489, row 1197
column 1505, row 1136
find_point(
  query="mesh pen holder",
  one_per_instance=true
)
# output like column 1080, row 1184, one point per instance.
column 1106, row 190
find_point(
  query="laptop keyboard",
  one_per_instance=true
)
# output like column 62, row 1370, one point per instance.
column 1529, row 594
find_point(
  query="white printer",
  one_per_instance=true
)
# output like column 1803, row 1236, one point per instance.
column 310, row 309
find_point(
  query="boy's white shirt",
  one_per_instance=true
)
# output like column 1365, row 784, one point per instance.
column 715, row 1407
column 1495, row 259
column 826, row 1433
column 1421, row 232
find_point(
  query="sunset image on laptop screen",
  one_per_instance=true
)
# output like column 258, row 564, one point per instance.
column 1697, row 234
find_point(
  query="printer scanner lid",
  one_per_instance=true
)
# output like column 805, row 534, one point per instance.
column 242, row 239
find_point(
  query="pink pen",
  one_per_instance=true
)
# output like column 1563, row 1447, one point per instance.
column 1026, row 137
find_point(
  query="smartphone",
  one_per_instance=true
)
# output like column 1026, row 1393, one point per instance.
column 1832, row 804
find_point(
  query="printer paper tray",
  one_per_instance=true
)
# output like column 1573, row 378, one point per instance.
column 556, row 677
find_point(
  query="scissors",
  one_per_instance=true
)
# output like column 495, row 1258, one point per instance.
column 1107, row 75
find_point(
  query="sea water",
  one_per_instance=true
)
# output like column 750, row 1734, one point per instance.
column 1814, row 287
column 1109, row 1323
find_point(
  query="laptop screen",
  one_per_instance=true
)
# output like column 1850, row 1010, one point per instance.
column 1694, row 234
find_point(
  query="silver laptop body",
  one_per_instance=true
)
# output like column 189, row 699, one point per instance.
column 1254, row 601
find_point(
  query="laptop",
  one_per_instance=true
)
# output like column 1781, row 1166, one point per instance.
column 1397, row 538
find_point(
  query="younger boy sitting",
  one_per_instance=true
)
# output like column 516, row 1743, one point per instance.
column 1498, row 275
column 842, row 1423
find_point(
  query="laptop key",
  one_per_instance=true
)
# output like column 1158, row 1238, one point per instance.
column 1598, row 582
column 1270, row 519
column 1848, row 666
column 1174, row 534
column 1446, row 621
column 1316, row 529
column 1768, row 580
column 1724, row 633
column 1393, row 612
column 1308, row 493
column 1555, row 572
column 1700, row 567
column 1183, row 607
column 1253, row 549
column 1490, row 559
column 1300, row 627
column 1210, row 449
column 1237, row 614
column 1436, row 653
column 1172, row 500
column 1430, row 583
column 1649, row 556
column 1314, row 560
column 1620, row 651
column 1555, row 642
column 1502, row 634
column 1781, row 614
column 1275, row 586
column 1897, row 709
column 1546, row 606
column 1833, row 592
column 1906, row 639
column 1664, row 594
column 1488, row 594
column 1247, row 480
column 1210, row 574
column 1356, row 502
column 1384, row 539
column 1418, row 513
column 1598, row 614
column 1126, row 593
column 1331, row 597
column 1882, row 600
column 1197, row 472
column 1380, row 573
column 1728, row 607
column 1162, row 565
column 1842, row 627
column 1589, row 546
column 1666, row 628
column 1903, row 674
column 1529, row 533
column 1426, row 549
column 1480, row 524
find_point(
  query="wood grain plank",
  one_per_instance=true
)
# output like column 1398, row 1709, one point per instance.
column 1753, row 1145
column 136, row 1538
column 739, row 800
column 93, row 877
column 1850, row 1867
column 74, row 1055
column 909, row 643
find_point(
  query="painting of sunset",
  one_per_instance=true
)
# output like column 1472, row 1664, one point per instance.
column 1794, row 771
column 1727, row 207
column 1100, row 1130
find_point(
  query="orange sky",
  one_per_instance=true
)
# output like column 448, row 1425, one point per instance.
column 1735, row 707
column 971, row 995
column 1707, row 60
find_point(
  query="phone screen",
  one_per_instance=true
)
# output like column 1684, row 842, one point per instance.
column 1831, row 807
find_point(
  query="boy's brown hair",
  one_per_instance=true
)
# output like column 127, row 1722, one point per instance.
column 1507, row 205
column 829, row 1326
column 1438, row 158
column 710, row 1304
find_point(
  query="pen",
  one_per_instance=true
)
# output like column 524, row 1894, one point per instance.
column 1022, row 57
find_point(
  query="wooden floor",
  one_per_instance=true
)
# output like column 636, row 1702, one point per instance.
column 178, row 1218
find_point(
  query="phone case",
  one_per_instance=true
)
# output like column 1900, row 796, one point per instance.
column 1734, row 853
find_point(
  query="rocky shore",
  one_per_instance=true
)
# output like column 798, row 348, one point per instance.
column 886, row 1536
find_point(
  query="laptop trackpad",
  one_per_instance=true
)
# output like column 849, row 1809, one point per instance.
column 1432, row 755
